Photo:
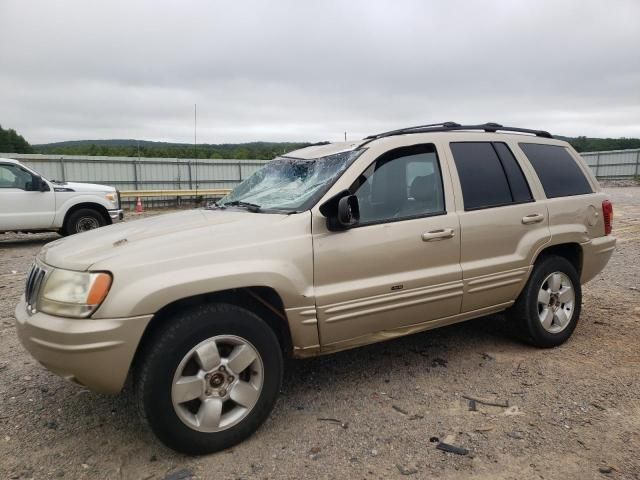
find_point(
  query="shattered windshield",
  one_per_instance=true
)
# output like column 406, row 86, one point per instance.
column 290, row 184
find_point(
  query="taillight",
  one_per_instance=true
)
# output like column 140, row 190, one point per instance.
column 607, row 215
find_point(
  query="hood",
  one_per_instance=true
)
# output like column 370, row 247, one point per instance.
column 85, row 187
column 155, row 239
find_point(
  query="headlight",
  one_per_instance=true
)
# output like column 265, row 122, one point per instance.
column 74, row 294
column 112, row 197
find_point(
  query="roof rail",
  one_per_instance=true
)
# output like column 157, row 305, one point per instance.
column 452, row 126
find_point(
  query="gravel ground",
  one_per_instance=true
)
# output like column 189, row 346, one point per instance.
column 574, row 411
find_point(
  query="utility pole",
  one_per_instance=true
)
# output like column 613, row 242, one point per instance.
column 195, row 141
column 345, row 135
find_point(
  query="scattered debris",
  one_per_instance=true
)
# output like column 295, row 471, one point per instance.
column 406, row 470
column 399, row 409
column 182, row 474
column 472, row 406
column 334, row 420
column 514, row 410
column 483, row 429
column 439, row 362
column 599, row 407
column 446, row 447
column 598, row 322
column 486, row 356
column 516, row 435
column 504, row 404
column 434, row 439
column 605, row 469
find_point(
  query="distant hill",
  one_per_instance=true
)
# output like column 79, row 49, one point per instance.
column 129, row 148
column 588, row 144
column 257, row 150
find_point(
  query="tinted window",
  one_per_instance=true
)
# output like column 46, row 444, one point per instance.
column 519, row 187
column 482, row 178
column 402, row 183
column 559, row 173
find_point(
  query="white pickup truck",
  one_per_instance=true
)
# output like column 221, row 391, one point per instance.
column 31, row 203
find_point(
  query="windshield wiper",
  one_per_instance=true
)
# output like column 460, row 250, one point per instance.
column 252, row 207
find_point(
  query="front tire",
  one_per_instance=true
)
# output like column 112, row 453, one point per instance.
column 548, row 309
column 83, row 220
column 209, row 378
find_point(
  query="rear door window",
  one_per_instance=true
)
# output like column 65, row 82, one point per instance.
column 519, row 187
column 489, row 175
column 558, row 172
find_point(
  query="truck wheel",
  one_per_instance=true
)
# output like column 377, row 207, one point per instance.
column 548, row 308
column 83, row 220
column 208, row 378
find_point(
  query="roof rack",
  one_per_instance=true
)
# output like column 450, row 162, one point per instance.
column 452, row 126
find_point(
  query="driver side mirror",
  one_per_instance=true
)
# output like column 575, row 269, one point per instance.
column 342, row 211
column 38, row 185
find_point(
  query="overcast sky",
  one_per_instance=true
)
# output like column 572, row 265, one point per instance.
column 309, row 70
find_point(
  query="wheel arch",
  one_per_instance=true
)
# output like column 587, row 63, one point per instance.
column 572, row 251
column 91, row 206
column 263, row 301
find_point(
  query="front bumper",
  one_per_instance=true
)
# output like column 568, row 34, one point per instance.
column 116, row 215
column 96, row 353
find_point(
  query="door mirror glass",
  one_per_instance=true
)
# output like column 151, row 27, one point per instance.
column 348, row 211
column 342, row 211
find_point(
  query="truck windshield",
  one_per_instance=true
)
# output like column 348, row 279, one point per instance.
column 289, row 184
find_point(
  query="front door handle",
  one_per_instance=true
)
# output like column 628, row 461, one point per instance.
column 533, row 218
column 439, row 234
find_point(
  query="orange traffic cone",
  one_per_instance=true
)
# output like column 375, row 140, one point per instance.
column 139, row 208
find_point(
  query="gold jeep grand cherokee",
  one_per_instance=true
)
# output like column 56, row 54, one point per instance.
column 325, row 248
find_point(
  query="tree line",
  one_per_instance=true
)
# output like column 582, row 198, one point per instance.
column 12, row 142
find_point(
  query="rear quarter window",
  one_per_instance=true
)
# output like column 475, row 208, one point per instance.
column 557, row 170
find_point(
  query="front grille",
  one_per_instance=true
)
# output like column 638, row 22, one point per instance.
column 35, row 280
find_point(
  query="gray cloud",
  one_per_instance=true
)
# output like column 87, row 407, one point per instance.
column 303, row 70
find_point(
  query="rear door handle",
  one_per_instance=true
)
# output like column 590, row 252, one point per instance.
column 533, row 218
column 439, row 234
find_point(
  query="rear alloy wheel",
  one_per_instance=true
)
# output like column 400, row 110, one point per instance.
column 83, row 220
column 556, row 302
column 548, row 308
column 208, row 378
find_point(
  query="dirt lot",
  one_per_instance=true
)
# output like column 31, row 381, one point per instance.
column 574, row 411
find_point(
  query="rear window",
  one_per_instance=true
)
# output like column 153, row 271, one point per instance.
column 489, row 175
column 559, row 173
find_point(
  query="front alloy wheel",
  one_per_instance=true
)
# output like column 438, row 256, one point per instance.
column 217, row 383
column 208, row 377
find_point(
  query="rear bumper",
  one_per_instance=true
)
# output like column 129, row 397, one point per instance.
column 96, row 353
column 116, row 215
column 595, row 255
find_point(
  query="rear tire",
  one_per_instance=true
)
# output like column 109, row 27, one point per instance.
column 548, row 309
column 185, row 394
column 83, row 220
